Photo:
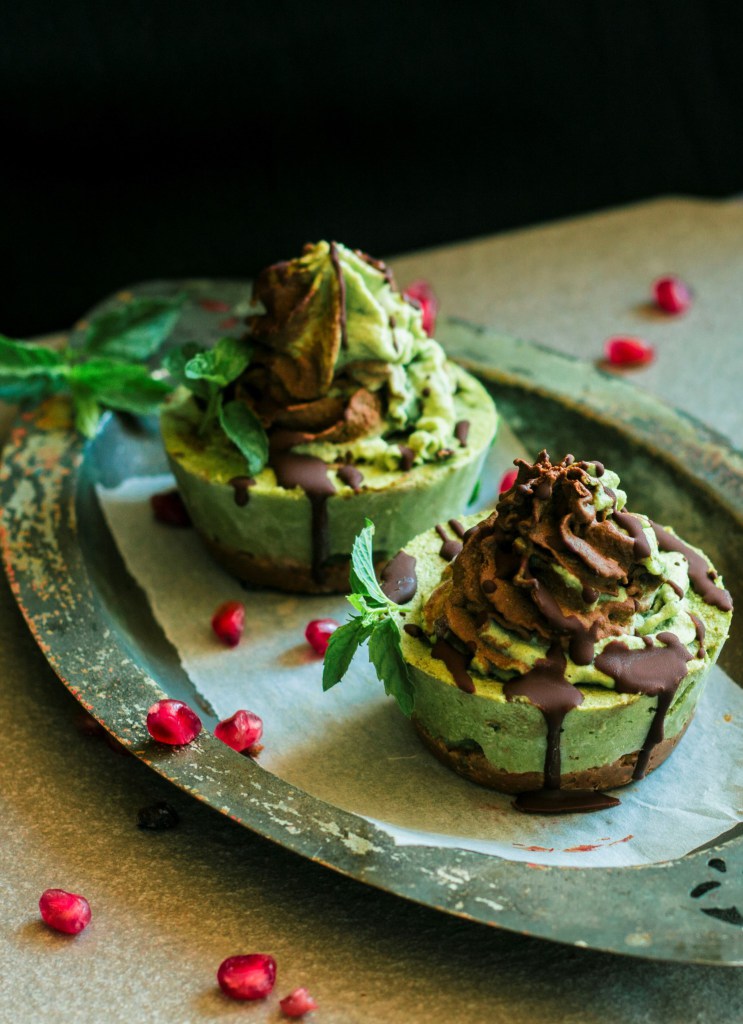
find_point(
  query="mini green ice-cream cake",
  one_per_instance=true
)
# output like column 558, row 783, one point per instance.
column 554, row 649
column 336, row 405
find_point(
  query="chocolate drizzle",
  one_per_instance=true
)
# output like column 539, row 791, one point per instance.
column 407, row 457
column 241, row 486
column 582, row 637
column 653, row 671
column 701, row 631
column 546, row 687
column 352, row 476
column 334, row 259
column 701, row 576
column 633, row 526
column 457, row 662
column 451, row 545
column 399, row 581
column 461, row 432
column 311, row 474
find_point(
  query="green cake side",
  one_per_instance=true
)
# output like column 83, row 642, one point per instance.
column 269, row 540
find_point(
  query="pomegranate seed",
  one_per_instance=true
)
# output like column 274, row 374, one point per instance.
column 168, row 508
column 423, row 296
column 507, row 481
column 241, row 731
column 64, row 911
column 228, row 622
column 297, row 1002
column 247, row 977
column 671, row 294
column 215, row 305
column 629, row 352
column 319, row 632
column 173, row 722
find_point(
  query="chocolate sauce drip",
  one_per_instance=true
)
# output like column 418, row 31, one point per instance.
column 461, row 431
column 241, row 486
column 457, row 662
column 564, row 801
column 450, row 547
column 379, row 265
column 342, row 289
column 633, row 526
column 352, row 476
column 582, row 638
column 589, row 594
column 653, row 671
column 701, row 633
column 457, row 527
column 678, row 591
column 408, row 457
column 700, row 574
column 546, row 687
column 412, row 630
column 311, row 474
column 399, row 581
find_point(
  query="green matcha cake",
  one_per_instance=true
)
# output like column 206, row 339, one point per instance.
column 336, row 405
column 560, row 648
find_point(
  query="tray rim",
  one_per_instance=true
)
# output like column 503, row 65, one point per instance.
column 463, row 883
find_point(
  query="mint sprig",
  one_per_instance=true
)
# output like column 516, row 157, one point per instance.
column 134, row 331
column 102, row 370
column 207, row 373
column 376, row 623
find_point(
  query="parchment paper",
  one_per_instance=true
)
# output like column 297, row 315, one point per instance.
column 354, row 749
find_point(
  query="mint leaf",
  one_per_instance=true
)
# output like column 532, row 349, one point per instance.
column 87, row 412
column 363, row 579
column 29, row 371
column 343, row 644
column 134, row 331
column 127, row 387
column 175, row 361
column 219, row 365
column 244, row 429
column 21, row 359
column 385, row 654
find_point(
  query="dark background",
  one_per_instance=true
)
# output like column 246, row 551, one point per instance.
column 149, row 139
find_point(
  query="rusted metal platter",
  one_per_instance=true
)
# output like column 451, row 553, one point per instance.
column 90, row 619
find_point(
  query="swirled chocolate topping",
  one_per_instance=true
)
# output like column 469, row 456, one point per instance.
column 555, row 560
column 331, row 356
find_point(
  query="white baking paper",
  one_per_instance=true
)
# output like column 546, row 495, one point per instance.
column 352, row 748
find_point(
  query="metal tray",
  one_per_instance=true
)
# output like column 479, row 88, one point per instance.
column 95, row 628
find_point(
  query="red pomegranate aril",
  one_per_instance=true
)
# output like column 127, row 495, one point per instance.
column 319, row 632
column 228, row 622
column 64, row 911
column 507, row 481
column 423, row 296
column 241, row 731
column 173, row 722
column 297, row 1003
column 629, row 352
column 252, row 976
column 671, row 294
column 168, row 508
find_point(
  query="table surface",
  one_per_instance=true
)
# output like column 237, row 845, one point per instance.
column 168, row 907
